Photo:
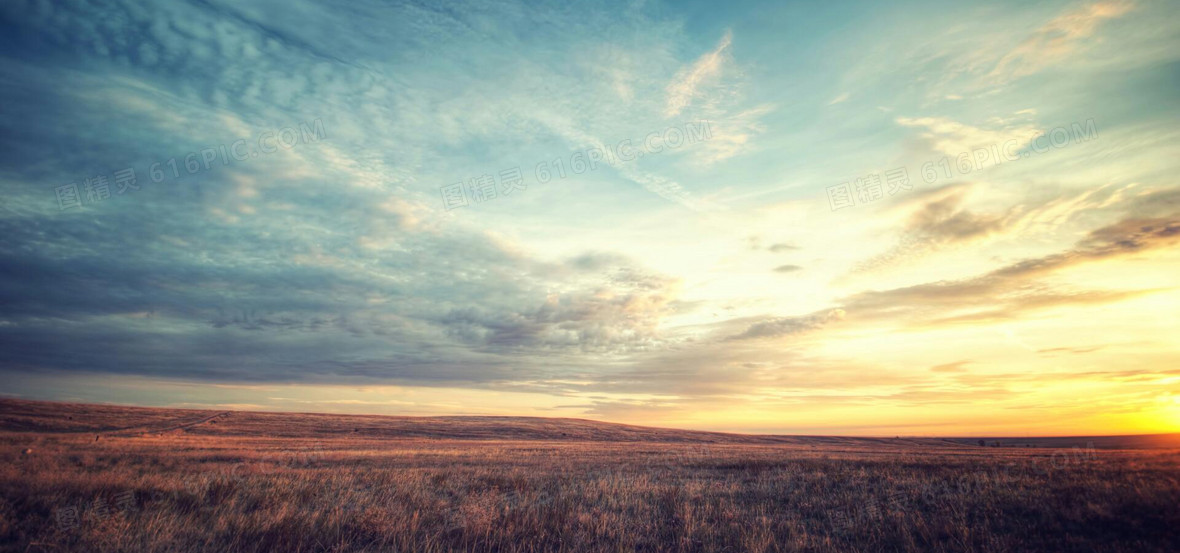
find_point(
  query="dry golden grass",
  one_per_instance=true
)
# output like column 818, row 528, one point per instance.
column 187, row 481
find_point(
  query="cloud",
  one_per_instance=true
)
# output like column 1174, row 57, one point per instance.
column 950, row 137
column 621, row 314
column 334, row 262
column 838, row 99
column 667, row 188
column 256, row 301
column 936, row 218
column 956, row 367
column 788, row 326
column 711, row 89
column 1074, row 350
column 689, row 81
column 944, row 220
column 782, row 247
column 731, row 134
column 1061, row 37
column 330, row 262
column 1016, row 288
column 939, row 218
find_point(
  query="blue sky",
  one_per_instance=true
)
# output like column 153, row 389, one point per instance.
column 287, row 243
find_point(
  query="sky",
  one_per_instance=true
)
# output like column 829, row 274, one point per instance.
column 854, row 218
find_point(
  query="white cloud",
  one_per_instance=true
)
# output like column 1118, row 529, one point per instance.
column 952, row 138
column 732, row 135
column 685, row 86
column 712, row 89
column 1057, row 39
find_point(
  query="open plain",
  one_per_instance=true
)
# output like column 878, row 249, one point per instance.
column 103, row 478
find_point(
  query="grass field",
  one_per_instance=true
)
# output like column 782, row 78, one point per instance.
column 101, row 478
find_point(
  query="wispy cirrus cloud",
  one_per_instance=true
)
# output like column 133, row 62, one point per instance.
column 1058, row 39
column 692, row 82
column 710, row 88
column 947, row 136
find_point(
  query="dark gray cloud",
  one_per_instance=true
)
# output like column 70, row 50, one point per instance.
column 616, row 318
column 326, row 262
column 257, row 304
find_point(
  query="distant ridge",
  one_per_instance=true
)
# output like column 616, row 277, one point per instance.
column 20, row 416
